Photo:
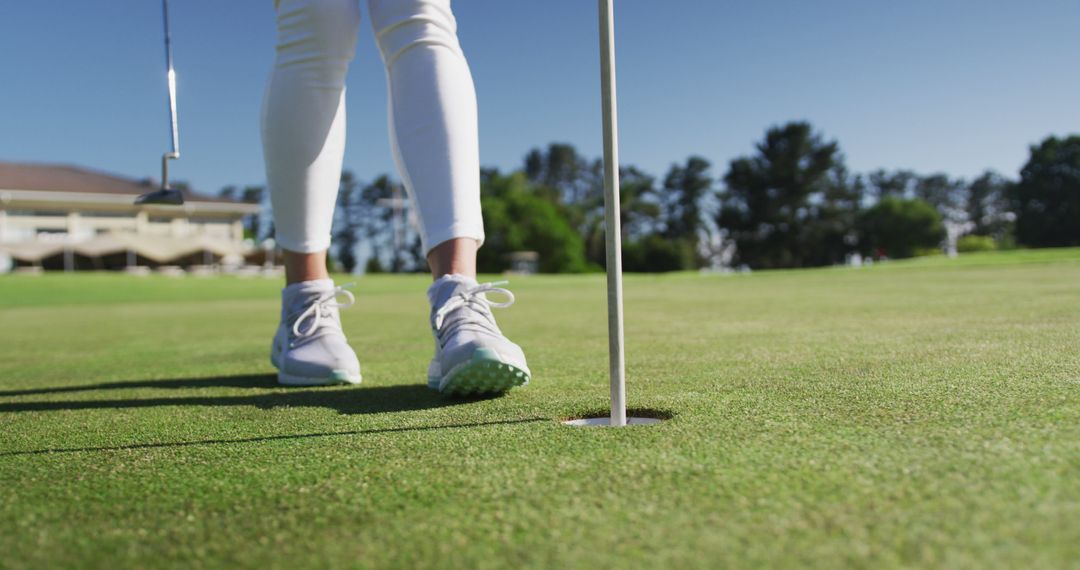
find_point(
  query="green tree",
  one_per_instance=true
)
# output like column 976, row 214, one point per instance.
column 261, row 225
column 685, row 186
column 517, row 218
column 830, row 231
column 988, row 206
column 347, row 220
column 569, row 177
column 639, row 213
column 653, row 253
column 228, row 192
column 1046, row 200
column 574, row 185
column 946, row 195
column 253, row 194
column 769, row 205
column 673, row 212
column 638, row 202
column 897, row 184
column 384, row 220
column 897, row 227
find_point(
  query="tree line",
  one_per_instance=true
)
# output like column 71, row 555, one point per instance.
column 792, row 202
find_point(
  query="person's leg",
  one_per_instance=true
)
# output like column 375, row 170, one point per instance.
column 303, row 123
column 433, row 125
column 453, row 256
column 433, row 132
column 300, row 267
column 303, row 131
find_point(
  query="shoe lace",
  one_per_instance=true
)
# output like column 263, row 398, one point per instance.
column 322, row 307
column 479, row 314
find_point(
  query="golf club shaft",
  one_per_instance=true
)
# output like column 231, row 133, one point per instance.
column 611, row 214
column 173, row 129
column 166, row 194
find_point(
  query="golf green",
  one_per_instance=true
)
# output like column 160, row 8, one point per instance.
column 910, row 414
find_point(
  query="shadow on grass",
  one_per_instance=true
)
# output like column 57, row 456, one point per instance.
column 348, row 400
column 248, row 381
column 136, row 446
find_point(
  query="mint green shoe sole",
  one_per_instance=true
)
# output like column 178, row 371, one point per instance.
column 484, row 373
column 335, row 378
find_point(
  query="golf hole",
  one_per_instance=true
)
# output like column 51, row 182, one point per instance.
column 634, row 417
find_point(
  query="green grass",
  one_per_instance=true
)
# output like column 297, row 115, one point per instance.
column 917, row 414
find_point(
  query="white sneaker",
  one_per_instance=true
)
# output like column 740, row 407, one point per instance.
column 309, row 348
column 471, row 354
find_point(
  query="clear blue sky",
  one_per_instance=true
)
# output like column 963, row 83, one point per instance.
column 955, row 86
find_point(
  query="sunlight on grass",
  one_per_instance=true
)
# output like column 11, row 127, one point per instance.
column 917, row 413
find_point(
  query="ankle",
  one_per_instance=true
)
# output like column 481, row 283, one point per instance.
column 301, row 267
column 455, row 256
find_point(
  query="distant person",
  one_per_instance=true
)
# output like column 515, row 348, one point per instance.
column 433, row 135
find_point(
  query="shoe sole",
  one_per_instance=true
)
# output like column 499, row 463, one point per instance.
column 483, row 373
column 335, row 378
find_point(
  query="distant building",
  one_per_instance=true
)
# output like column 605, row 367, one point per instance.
column 66, row 217
column 523, row 262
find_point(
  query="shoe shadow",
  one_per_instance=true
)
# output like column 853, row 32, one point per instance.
column 360, row 400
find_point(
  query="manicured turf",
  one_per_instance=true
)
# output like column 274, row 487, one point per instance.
column 921, row 414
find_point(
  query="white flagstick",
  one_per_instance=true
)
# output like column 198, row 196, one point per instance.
column 613, row 232
column 611, row 214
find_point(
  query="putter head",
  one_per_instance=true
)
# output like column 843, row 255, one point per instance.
column 165, row 196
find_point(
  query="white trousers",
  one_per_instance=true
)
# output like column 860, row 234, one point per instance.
column 432, row 109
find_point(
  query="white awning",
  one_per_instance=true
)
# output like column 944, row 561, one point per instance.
column 160, row 249
column 32, row 251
